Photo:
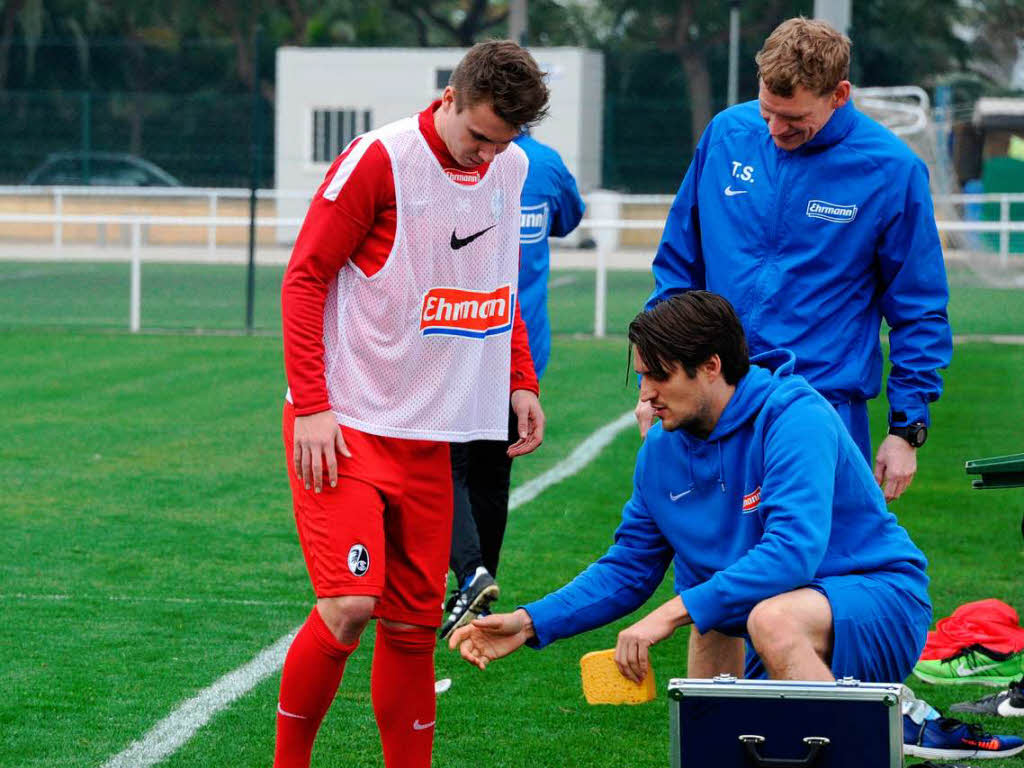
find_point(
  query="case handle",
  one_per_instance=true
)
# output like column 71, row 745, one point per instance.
column 814, row 746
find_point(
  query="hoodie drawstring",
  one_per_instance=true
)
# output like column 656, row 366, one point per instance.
column 689, row 457
column 721, row 469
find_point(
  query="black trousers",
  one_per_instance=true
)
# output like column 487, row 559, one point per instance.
column 481, row 472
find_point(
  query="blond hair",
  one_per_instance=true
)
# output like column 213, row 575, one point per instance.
column 803, row 52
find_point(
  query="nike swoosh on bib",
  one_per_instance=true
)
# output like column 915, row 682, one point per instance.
column 460, row 242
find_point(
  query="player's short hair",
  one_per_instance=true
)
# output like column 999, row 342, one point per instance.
column 505, row 76
column 687, row 330
column 803, row 52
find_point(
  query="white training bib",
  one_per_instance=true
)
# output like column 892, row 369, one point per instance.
column 422, row 349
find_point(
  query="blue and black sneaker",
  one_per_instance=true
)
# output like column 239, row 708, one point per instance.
column 475, row 598
column 948, row 739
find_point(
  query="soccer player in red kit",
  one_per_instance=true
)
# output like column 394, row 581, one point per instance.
column 402, row 333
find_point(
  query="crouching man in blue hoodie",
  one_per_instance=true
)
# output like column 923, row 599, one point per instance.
column 755, row 490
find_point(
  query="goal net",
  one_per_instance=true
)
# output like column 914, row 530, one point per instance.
column 975, row 250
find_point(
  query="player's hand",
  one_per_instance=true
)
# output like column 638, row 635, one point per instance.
column 527, row 408
column 644, row 417
column 631, row 648
column 317, row 436
column 895, row 466
column 492, row 637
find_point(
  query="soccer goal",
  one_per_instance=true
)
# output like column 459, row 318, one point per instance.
column 976, row 229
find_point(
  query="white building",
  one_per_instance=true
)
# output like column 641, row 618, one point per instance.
column 326, row 96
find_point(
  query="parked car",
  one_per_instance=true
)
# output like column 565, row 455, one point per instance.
column 99, row 169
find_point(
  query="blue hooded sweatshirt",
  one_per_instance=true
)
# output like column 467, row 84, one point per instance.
column 776, row 496
column 813, row 247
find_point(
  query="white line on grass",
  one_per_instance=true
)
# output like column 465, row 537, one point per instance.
column 32, row 274
column 167, row 736
column 173, row 731
column 558, row 282
column 144, row 599
column 1011, row 339
column 585, row 453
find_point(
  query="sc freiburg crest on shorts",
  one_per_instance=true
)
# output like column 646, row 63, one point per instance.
column 476, row 314
column 358, row 560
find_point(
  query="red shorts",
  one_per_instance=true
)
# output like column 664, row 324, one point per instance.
column 386, row 530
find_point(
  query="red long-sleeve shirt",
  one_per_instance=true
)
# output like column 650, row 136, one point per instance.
column 358, row 226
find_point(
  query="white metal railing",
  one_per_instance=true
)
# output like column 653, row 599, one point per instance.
column 136, row 222
column 212, row 195
column 605, row 222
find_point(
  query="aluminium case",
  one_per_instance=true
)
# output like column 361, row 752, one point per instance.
column 731, row 723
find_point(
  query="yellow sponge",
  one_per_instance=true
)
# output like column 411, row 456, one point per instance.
column 604, row 684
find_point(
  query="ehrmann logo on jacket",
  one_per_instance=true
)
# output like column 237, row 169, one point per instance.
column 533, row 223
column 752, row 501
column 458, row 312
column 822, row 209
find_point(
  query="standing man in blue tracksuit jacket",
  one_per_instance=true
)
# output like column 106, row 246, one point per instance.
column 551, row 207
column 816, row 222
column 754, row 489
column 481, row 470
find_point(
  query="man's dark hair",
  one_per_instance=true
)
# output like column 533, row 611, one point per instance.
column 688, row 329
column 504, row 75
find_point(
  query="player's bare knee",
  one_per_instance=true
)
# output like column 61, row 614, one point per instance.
column 771, row 629
column 346, row 616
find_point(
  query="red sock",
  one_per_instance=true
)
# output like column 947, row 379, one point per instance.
column 402, row 687
column 311, row 675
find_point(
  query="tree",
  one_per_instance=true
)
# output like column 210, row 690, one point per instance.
column 9, row 15
column 463, row 21
column 697, row 34
column 905, row 42
column 998, row 38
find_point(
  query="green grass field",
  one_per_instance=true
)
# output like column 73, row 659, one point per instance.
column 212, row 298
column 147, row 546
column 189, row 297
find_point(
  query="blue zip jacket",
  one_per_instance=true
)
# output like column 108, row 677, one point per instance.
column 551, row 206
column 813, row 247
column 777, row 495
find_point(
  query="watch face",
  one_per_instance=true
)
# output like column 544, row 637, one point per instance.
column 917, row 433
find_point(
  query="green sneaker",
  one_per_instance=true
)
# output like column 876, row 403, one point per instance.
column 974, row 665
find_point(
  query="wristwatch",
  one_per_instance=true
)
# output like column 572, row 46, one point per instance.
column 916, row 434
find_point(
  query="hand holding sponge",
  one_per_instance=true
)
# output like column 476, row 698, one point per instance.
column 604, row 684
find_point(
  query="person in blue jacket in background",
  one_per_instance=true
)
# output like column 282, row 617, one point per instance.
column 481, row 470
column 551, row 207
column 754, row 489
column 816, row 222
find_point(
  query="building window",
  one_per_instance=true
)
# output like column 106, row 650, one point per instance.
column 441, row 78
column 333, row 129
